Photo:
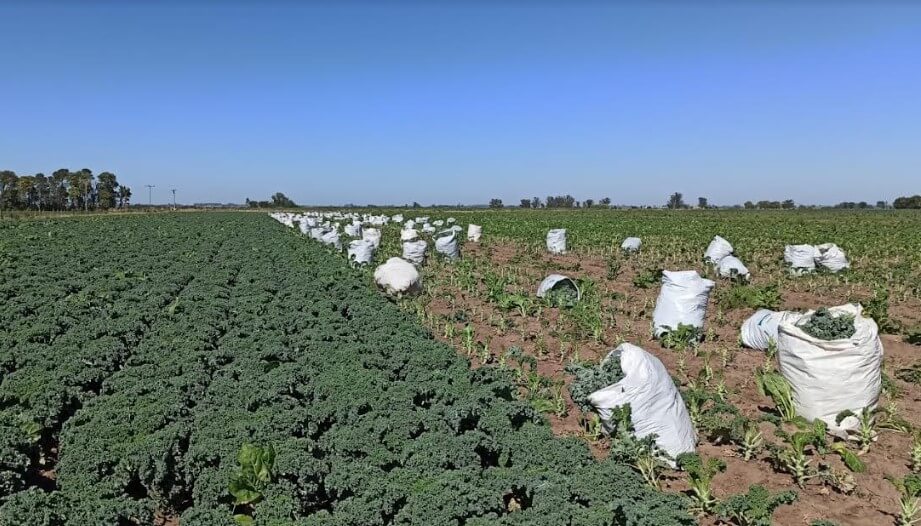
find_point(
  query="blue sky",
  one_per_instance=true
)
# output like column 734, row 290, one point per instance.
column 464, row 101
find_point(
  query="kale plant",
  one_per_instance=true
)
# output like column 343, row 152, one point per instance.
column 824, row 325
column 589, row 378
column 563, row 294
column 754, row 508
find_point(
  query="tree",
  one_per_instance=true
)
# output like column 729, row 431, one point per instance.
column 749, row 205
column 907, row 202
column 605, row 201
column 124, row 196
column 416, row 205
column 58, row 195
column 535, row 203
column 495, row 203
column 525, row 203
column 25, row 192
column 675, row 201
column 42, row 188
column 280, row 200
column 588, row 203
column 702, row 202
column 78, row 188
column 106, row 186
column 789, row 204
column 882, row 205
column 8, row 187
column 561, row 201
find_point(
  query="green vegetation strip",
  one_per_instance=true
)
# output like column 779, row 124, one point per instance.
column 202, row 366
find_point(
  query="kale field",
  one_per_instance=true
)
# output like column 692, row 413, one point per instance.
column 219, row 368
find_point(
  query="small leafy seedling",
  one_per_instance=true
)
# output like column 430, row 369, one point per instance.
column 866, row 430
column 909, row 489
column 775, row 386
column 255, row 473
column 700, row 478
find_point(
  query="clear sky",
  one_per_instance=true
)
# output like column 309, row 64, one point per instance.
column 463, row 101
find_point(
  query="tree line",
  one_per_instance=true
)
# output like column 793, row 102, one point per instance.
column 278, row 200
column 62, row 190
column 555, row 201
column 676, row 202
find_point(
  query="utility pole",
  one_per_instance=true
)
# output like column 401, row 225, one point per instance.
column 174, row 197
column 150, row 188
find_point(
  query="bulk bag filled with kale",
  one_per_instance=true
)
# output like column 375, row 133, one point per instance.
column 656, row 406
column 414, row 251
column 717, row 250
column 831, row 257
column 446, row 244
column 361, row 251
column 631, row 244
column 398, row 277
column 317, row 232
column 760, row 329
column 372, row 235
column 682, row 301
column 474, row 232
column 560, row 290
column 801, row 258
column 408, row 234
column 732, row 267
column 331, row 238
column 832, row 359
column 353, row 229
column 556, row 241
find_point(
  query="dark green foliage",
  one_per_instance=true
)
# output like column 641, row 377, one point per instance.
column 371, row 420
column 625, row 446
column 824, row 325
column 823, row 522
column 911, row 374
column 749, row 296
column 647, row 278
column 589, row 378
column 754, row 508
column 563, row 294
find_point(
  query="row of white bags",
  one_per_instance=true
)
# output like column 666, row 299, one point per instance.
column 720, row 254
column 807, row 257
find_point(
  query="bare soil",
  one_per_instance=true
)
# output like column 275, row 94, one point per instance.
column 628, row 316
